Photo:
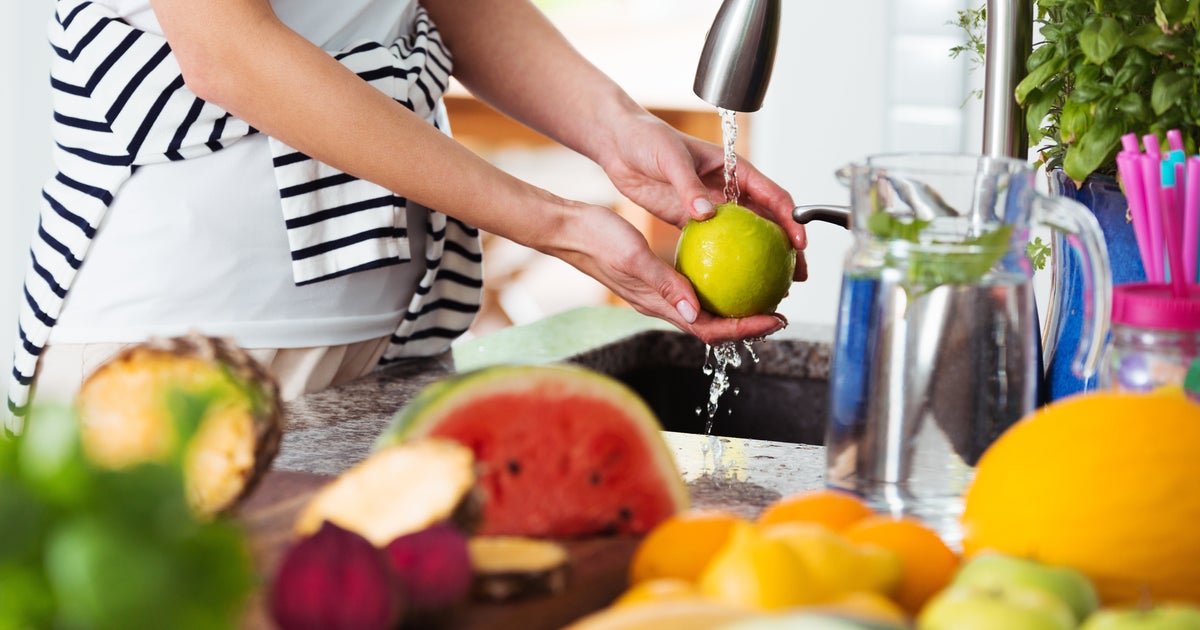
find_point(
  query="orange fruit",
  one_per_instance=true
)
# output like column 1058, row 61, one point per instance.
column 831, row 508
column 1104, row 483
column 927, row 564
column 681, row 546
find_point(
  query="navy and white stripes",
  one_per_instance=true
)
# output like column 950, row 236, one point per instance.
column 120, row 101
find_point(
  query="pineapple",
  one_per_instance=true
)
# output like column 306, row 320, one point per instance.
column 126, row 416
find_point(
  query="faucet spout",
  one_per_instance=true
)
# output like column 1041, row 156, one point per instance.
column 738, row 56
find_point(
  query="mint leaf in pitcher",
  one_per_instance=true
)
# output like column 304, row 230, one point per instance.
column 958, row 262
column 929, row 269
column 891, row 228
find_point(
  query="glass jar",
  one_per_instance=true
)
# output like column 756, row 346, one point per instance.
column 1155, row 338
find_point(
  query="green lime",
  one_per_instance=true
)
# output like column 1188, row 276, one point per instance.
column 739, row 263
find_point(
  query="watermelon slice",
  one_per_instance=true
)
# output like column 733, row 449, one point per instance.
column 563, row 451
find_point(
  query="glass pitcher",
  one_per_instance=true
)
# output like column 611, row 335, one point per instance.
column 936, row 347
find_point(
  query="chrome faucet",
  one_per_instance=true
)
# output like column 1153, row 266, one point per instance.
column 739, row 53
column 1008, row 42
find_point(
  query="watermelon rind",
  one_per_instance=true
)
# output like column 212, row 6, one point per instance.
column 437, row 401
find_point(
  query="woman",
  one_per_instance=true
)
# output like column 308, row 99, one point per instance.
column 265, row 171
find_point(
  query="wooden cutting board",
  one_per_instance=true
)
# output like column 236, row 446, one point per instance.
column 598, row 565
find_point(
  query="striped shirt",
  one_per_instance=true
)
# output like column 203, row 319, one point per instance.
column 120, row 102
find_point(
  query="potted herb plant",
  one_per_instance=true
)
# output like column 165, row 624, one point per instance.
column 1107, row 68
column 1104, row 68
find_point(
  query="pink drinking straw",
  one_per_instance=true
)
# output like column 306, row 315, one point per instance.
column 1175, row 140
column 1151, row 179
column 1135, row 193
column 1191, row 218
column 1150, row 141
column 1153, row 148
column 1180, row 184
column 1170, row 220
column 1129, row 142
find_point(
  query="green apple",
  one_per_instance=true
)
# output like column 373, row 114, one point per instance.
column 968, row 607
column 1160, row 617
column 996, row 570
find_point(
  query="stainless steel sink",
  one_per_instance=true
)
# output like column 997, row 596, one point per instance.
column 782, row 397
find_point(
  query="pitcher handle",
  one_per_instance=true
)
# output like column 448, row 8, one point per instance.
column 1082, row 232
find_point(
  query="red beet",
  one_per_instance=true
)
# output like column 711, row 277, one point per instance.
column 335, row 580
column 432, row 566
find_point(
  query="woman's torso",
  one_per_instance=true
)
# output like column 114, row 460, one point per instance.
column 200, row 244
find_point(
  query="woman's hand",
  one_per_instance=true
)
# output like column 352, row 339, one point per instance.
column 605, row 246
column 677, row 177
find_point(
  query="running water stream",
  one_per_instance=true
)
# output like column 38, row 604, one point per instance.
column 721, row 359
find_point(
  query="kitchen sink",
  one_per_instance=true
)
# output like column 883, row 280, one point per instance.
column 760, row 407
column 782, row 397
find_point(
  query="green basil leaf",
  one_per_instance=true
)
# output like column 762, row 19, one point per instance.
column 1132, row 105
column 1088, row 84
column 1146, row 36
column 1169, row 88
column 1101, row 39
column 1036, row 110
column 1075, row 119
column 1094, row 147
column 1170, row 12
column 1038, row 76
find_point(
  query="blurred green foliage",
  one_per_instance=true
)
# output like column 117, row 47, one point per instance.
column 91, row 548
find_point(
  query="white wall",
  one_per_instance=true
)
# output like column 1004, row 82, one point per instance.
column 24, row 149
column 854, row 78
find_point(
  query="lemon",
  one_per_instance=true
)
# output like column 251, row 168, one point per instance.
column 739, row 263
column 759, row 573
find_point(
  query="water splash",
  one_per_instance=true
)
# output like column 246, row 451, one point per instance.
column 729, row 132
column 713, row 467
column 725, row 357
column 748, row 345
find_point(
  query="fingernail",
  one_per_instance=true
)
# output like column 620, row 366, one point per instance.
column 783, row 322
column 703, row 206
column 686, row 311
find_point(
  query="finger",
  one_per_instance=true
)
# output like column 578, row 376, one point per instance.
column 713, row 330
column 801, row 273
column 774, row 199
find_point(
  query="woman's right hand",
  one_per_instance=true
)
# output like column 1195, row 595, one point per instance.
column 602, row 244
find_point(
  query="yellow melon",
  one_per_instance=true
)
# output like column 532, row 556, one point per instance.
column 1105, row 483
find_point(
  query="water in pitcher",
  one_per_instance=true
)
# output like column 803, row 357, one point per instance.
column 927, row 380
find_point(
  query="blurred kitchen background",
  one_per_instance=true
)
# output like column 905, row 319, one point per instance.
column 851, row 78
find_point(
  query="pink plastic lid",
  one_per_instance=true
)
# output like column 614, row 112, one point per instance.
column 1146, row 305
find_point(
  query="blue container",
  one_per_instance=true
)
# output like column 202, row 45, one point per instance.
column 1107, row 202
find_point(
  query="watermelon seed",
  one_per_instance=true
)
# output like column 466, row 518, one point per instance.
column 514, row 466
column 595, row 478
column 625, row 514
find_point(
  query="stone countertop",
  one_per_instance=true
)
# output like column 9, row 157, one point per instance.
column 331, row 430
